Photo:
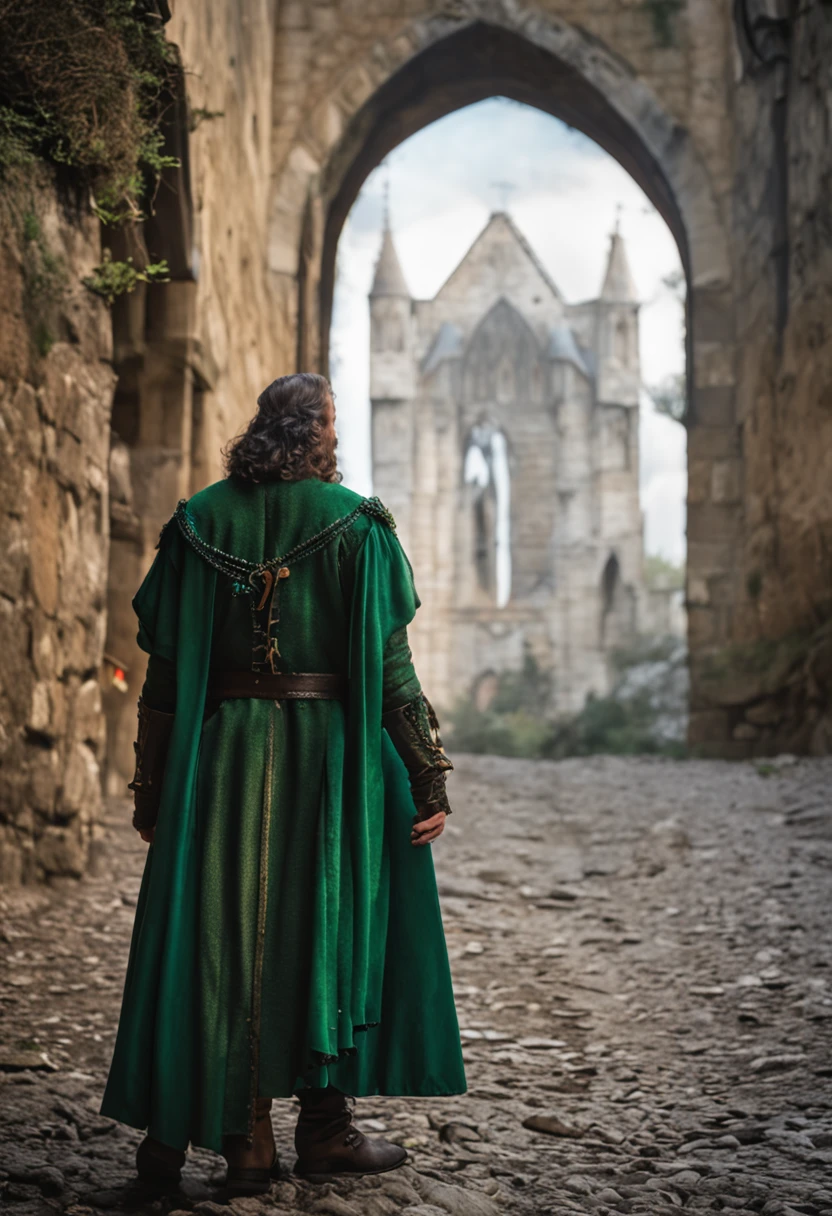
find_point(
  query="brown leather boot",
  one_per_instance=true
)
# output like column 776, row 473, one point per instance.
column 252, row 1164
column 327, row 1143
column 158, row 1163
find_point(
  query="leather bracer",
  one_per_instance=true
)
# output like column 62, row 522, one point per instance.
column 414, row 730
column 151, row 748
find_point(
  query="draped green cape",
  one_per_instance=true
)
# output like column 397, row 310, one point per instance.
column 287, row 933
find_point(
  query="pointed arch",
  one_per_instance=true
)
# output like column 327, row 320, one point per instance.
column 443, row 61
column 541, row 61
column 502, row 345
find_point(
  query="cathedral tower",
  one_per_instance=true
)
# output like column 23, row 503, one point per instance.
column 619, row 377
column 617, row 449
column 392, row 384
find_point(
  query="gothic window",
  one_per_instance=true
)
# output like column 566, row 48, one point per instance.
column 483, row 539
column 617, row 607
column 486, row 471
column 501, row 358
column 609, row 583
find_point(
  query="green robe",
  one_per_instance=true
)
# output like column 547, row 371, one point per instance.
column 287, row 933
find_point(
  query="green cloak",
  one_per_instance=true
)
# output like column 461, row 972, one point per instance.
column 287, row 933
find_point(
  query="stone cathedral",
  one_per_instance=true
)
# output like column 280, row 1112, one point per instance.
column 505, row 442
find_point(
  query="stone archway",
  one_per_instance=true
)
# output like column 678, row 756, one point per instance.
column 443, row 64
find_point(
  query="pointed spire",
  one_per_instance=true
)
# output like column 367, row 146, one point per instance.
column 389, row 278
column 619, row 287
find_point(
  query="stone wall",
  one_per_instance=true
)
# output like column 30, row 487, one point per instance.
column 735, row 155
column 770, row 689
column 352, row 83
column 193, row 355
column 291, row 107
column 55, row 398
column 242, row 321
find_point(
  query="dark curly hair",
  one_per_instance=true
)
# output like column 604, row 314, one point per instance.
column 288, row 438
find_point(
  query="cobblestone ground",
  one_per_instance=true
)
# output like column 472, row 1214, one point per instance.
column 642, row 956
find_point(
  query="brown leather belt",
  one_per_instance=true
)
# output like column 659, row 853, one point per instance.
column 299, row 686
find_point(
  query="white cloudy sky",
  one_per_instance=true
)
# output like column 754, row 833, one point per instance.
column 564, row 197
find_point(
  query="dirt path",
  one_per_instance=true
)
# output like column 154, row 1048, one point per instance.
column 642, row 955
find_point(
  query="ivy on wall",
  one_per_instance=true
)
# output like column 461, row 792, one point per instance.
column 83, row 90
column 82, row 86
column 113, row 278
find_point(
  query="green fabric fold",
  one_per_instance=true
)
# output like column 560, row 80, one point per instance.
column 281, row 892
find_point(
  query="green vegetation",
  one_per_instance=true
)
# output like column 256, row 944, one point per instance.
column 515, row 723
column 613, row 726
column 661, row 573
column 670, row 397
column 83, row 85
column 111, row 279
column 83, row 89
column 644, row 650
column 199, row 115
column 768, row 658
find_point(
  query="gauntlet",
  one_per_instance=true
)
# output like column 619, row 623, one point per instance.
column 151, row 748
column 414, row 731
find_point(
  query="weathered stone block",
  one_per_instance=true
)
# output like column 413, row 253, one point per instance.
column 40, row 715
column 711, row 443
column 745, row 731
column 88, row 720
column 62, row 851
column 709, row 726
column 712, row 407
column 765, row 713
column 14, row 559
column 44, row 531
column 708, row 557
column 81, row 789
column 699, row 481
column 12, row 859
column 703, row 625
column 715, row 525
column 698, row 591
column 713, row 314
column 44, row 645
column 44, row 772
column 726, row 476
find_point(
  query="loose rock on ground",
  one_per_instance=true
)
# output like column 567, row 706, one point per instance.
column 641, row 954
